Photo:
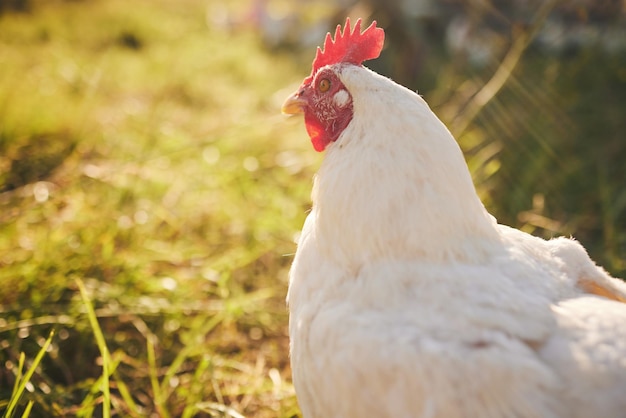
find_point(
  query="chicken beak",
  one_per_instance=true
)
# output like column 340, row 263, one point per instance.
column 294, row 105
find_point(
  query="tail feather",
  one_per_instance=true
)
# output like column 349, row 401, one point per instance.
column 604, row 286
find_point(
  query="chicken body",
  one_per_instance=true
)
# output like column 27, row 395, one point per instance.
column 407, row 299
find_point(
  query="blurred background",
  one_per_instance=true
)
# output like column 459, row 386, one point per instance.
column 150, row 190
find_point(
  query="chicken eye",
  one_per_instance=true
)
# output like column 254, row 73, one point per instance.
column 324, row 85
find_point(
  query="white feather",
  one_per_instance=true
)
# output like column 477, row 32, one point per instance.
column 407, row 299
column 341, row 98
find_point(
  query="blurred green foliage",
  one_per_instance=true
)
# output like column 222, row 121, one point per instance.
column 141, row 151
column 562, row 168
column 547, row 150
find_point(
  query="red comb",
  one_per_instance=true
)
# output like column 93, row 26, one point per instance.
column 351, row 47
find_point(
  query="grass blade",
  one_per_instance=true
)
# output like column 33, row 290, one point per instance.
column 125, row 393
column 187, row 351
column 154, row 380
column 26, row 413
column 104, row 351
column 23, row 381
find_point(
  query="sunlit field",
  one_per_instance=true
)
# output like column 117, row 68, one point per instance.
column 151, row 192
column 143, row 154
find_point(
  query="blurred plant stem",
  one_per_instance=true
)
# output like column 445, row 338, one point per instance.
column 489, row 90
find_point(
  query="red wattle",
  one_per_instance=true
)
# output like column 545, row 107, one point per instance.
column 316, row 132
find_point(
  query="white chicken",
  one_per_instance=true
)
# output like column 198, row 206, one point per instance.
column 406, row 298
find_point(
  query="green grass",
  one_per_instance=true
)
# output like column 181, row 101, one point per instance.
column 143, row 154
column 21, row 380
